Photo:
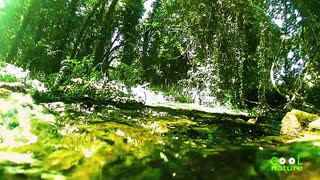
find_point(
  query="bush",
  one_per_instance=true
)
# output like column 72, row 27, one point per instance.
column 200, row 86
column 80, row 79
column 313, row 96
column 127, row 74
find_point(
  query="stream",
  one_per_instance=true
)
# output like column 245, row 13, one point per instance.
column 154, row 142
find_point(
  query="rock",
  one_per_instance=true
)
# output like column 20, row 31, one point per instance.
column 252, row 121
column 303, row 117
column 314, row 125
column 239, row 120
column 296, row 120
column 290, row 126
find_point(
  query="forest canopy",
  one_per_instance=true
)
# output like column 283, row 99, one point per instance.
column 247, row 53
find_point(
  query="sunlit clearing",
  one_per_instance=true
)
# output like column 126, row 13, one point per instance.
column 149, row 97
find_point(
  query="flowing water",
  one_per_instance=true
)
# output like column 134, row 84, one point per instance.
column 152, row 142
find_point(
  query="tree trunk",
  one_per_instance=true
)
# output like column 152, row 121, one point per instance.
column 106, row 35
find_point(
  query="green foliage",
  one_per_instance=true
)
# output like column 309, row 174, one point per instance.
column 127, row 74
column 78, row 80
column 313, row 96
column 8, row 78
column 163, row 55
column 133, row 10
column 2, row 64
column 75, row 79
column 243, row 52
column 10, row 119
column 33, row 91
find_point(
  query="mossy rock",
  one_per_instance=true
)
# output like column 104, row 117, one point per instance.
column 290, row 125
column 4, row 93
column 296, row 120
column 303, row 117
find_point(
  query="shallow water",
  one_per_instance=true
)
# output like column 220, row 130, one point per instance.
column 157, row 143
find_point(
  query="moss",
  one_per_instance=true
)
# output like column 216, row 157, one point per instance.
column 4, row 93
column 304, row 117
column 64, row 159
column 252, row 121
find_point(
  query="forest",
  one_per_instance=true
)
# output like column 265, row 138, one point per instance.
column 159, row 89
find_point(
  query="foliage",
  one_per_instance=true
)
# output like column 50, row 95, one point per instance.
column 163, row 58
column 78, row 80
column 127, row 74
column 8, row 78
column 235, row 51
column 201, row 84
column 74, row 78
column 10, row 119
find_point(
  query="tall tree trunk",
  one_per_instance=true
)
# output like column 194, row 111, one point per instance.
column 82, row 33
column 106, row 35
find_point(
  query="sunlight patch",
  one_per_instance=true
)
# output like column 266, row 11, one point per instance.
column 306, row 137
column 120, row 133
column 13, row 70
column 1, row 4
column 16, row 157
column 18, row 113
column 87, row 152
column 316, row 143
